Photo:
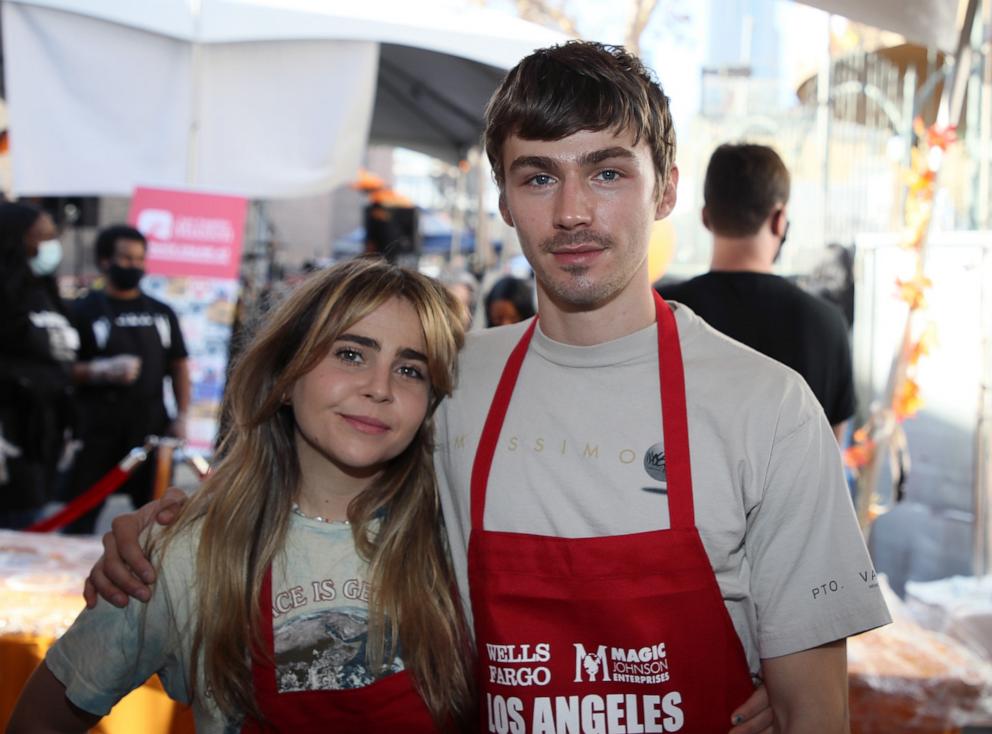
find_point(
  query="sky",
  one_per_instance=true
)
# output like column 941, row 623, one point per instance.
column 677, row 56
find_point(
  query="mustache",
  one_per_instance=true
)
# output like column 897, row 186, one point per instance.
column 564, row 239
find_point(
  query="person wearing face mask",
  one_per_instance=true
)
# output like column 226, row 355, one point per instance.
column 37, row 348
column 130, row 342
column 745, row 194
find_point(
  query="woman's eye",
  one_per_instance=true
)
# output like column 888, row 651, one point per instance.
column 414, row 373
column 346, row 354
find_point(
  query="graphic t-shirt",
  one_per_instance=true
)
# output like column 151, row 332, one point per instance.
column 582, row 454
column 37, row 343
column 320, row 625
column 142, row 326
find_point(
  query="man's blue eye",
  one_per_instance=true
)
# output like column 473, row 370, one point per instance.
column 541, row 179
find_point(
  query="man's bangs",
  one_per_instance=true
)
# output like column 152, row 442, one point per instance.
column 591, row 111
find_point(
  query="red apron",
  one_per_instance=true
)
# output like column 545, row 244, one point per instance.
column 625, row 633
column 390, row 704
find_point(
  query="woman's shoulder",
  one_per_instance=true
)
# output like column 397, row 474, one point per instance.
column 173, row 550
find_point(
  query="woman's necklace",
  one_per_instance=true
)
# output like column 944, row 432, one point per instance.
column 318, row 518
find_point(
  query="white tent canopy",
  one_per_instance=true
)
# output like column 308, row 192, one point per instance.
column 932, row 23
column 264, row 98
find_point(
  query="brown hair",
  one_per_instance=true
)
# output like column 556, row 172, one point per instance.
column 744, row 184
column 242, row 511
column 580, row 85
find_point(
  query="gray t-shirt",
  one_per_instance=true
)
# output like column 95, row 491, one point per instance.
column 320, row 625
column 580, row 455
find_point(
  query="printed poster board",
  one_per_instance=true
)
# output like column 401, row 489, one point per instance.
column 193, row 264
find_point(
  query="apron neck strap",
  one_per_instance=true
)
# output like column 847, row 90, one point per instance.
column 678, row 466
column 673, row 409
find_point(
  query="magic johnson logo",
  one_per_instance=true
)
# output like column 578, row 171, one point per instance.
column 645, row 665
column 654, row 465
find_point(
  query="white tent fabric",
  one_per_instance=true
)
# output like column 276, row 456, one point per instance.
column 932, row 23
column 95, row 110
column 263, row 98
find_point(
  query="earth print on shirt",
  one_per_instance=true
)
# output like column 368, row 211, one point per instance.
column 325, row 650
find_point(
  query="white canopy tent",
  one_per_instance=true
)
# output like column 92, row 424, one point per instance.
column 264, row 98
column 932, row 23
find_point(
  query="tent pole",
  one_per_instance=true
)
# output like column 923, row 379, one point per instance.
column 196, row 65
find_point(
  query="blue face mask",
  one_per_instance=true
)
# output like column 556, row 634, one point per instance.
column 48, row 258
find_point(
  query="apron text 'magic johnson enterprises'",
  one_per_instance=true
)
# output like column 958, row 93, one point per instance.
column 620, row 634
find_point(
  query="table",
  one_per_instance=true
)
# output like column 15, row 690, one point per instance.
column 41, row 580
column 908, row 679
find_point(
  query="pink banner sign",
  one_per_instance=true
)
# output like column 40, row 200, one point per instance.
column 190, row 234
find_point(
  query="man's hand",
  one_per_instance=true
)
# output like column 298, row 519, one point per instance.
column 754, row 716
column 123, row 570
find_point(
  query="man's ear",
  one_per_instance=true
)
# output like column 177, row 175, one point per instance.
column 705, row 218
column 666, row 202
column 504, row 210
column 779, row 221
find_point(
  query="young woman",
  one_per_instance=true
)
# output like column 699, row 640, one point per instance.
column 305, row 585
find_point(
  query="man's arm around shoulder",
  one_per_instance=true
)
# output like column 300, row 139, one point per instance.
column 808, row 690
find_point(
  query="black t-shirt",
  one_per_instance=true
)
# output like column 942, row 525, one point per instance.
column 37, row 342
column 780, row 320
column 141, row 326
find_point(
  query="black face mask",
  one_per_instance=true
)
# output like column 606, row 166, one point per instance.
column 781, row 242
column 125, row 279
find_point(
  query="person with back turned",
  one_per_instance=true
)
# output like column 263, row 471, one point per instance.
column 745, row 198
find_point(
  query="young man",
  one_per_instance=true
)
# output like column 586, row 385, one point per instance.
column 582, row 451
column 745, row 197
column 130, row 343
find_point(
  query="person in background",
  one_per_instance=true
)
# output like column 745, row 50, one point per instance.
column 832, row 279
column 130, row 342
column 464, row 287
column 746, row 194
column 37, row 348
column 509, row 301
column 306, row 586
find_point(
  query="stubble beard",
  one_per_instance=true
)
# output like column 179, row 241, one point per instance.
column 578, row 288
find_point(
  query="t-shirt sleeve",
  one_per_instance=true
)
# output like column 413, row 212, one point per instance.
column 844, row 402
column 812, row 580
column 108, row 652
column 177, row 346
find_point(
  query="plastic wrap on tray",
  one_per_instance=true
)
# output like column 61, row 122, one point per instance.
column 959, row 606
column 905, row 678
column 41, row 581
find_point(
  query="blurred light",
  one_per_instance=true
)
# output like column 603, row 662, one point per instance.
column 895, row 149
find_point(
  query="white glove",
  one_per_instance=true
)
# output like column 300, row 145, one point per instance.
column 120, row 370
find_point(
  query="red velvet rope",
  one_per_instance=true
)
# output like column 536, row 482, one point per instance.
column 88, row 499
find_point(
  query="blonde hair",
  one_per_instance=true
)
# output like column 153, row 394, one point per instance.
column 244, row 506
